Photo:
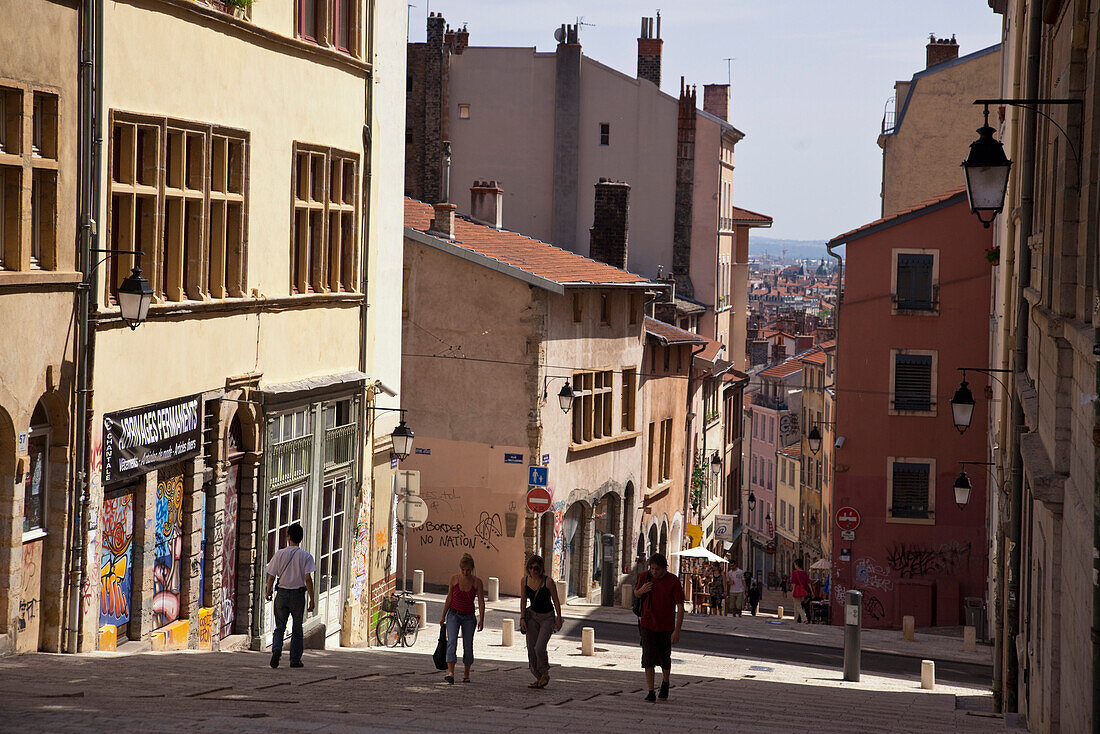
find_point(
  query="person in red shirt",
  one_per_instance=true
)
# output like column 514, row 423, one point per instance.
column 802, row 591
column 662, row 598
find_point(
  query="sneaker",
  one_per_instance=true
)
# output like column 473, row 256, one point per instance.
column 275, row 658
column 651, row 696
column 297, row 665
column 664, row 690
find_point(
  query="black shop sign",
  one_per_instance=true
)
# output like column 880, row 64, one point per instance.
column 141, row 439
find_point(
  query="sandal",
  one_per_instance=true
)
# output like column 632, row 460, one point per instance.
column 450, row 679
column 543, row 681
column 465, row 680
column 535, row 684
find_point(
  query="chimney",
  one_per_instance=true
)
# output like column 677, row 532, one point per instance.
column 462, row 40
column 940, row 50
column 437, row 28
column 444, row 223
column 649, row 51
column 486, row 203
column 716, row 100
column 608, row 234
column 685, row 191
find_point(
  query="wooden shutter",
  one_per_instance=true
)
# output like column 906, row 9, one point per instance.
column 910, row 494
column 913, row 382
column 914, row 286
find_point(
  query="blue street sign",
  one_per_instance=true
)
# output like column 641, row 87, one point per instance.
column 538, row 476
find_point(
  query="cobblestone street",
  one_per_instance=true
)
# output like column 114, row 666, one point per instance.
column 378, row 690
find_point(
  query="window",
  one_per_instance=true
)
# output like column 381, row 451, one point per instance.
column 605, row 133
column 332, row 23
column 602, row 406
column 36, row 480
column 650, row 462
column 309, row 22
column 666, row 449
column 910, row 489
column 464, row 112
column 915, row 281
column 667, row 352
column 178, row 195
column 605, row 309
column 635, row 307
column 592, row 406
column 782, row 513
column 790, row 516
column 343, row 17
column 28, row 159
column 913, row 382
column 578, row 307
column 323, row 242
column 629, row 397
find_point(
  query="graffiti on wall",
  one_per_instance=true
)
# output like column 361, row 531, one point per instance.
column 873, row 608
column 488, row 530
column 912, row 560
column 115, row 571
column 166, row 551
column 225, row 540
column 559, row 539
column 871, row 575
column 93, row 548
column 445, row 535
column 30, row 586
column 359, row 555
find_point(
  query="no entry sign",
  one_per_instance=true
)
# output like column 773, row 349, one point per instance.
column 538, row 500
column 847, row 518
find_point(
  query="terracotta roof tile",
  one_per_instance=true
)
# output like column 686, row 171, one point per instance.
column 783, row 369
column 669, row 334
column 711, row 350
column 745, row 216
column 521, row 252
column 794, row 450
column 944, row 197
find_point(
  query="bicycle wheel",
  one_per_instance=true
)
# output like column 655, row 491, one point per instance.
column 388, row 632
column 412, row 629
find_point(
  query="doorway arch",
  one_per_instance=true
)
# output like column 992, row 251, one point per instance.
column 628, row 527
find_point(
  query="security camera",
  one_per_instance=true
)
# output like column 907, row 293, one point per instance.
column 388, row 390
column 839, row 442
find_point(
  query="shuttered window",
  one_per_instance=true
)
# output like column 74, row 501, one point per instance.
column 910, row 490
column 913, row 382
column 914, row 286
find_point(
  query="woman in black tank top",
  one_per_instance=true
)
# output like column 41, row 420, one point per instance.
column 540, row 617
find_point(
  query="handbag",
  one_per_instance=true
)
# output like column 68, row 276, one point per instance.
column 637, row 606
column 439, row 657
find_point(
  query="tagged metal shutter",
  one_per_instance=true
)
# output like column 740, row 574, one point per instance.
column 910, row 494
column 914, row 287
column 913, row 382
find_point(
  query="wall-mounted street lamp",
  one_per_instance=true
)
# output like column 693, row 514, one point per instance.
column 565, row 395
column 752, row 501
column 962, row 402
column 962, row 485
column 134, row 293
column 987, row 167
column 716, row 464
column 814, row 437
column 402, row 436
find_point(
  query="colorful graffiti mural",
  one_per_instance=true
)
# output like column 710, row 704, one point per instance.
column 225, row 540
column 115, row 571
column 559, row 540
column 359, row 555
column 166, row 553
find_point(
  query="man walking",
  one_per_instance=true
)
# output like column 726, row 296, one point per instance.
column 735, row 589
column 662, row 598
column 293, row 567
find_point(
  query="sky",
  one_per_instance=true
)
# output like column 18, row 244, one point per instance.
column 809, row 80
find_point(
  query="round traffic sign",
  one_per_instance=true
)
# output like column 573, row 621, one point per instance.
column 412, row 512
column 847, row 518
column 538, row 499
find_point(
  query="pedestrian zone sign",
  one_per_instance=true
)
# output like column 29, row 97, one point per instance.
column 538, row 476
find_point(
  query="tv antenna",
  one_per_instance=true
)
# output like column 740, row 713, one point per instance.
column 729, row 69
column 408, row 20
column 580, row 22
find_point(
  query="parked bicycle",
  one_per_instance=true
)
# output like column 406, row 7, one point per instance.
column 398, row 624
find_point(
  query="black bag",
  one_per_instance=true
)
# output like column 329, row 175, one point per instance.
column 637, row 607
column 439, row 657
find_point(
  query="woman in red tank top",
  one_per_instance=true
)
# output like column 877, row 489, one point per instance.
column 458, row 615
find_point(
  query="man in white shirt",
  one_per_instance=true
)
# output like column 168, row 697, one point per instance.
column 735, row 589
column 293, row 567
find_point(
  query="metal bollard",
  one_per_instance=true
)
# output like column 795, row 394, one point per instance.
column 494, row 588
column 628, row 596
column 508, row 632
column 907, row 627
column 588, row 641
column 420, row 609
column 928, row 674
column 969, row 639
column 779, row 613
column 853, row 619
column 418, row 582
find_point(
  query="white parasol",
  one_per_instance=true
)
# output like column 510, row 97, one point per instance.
column 700, row 552
column 822, row 565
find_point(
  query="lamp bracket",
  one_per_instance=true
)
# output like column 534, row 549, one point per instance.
column 992, row 372
column 1033, row 105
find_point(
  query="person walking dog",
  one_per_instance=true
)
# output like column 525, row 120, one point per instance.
column 458, row 614
column 662, row 617
column 539, row 620
column 293, row 567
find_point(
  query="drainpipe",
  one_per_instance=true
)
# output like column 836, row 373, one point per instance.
column 691, row 465
column 91, row 116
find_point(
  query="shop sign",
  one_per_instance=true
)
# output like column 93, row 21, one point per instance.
column 141, row 439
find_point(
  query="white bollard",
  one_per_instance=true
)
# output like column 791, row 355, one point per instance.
column 969, row 639
column 494, row 588
column 779, row 613
column 418, row 582
column 628, row 596
column 927, row 674
column 508, row 632
column 908, row 624
column 588, row 641
column 420, row 609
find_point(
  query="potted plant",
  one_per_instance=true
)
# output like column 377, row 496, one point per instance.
column 238, row 7
column 993, row 255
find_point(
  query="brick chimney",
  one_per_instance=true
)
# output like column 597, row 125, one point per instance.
column 456, row 41
column 444, row 223
column 649, row 51
column 608, row 234
column 940, row 50
column 437, row 28
column 685, row 191
column 716, row 100
column 486, row 203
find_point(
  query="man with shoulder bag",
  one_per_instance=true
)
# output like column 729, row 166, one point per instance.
column 659, row 604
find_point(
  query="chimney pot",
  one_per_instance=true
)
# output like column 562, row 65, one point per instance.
column 940, row 50
column 649, row 53
column 487, row 203
column 444, row 222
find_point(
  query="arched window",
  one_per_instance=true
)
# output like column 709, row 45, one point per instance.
column 663, row 547
column 36, row 479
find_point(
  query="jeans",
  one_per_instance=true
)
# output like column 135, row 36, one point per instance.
column 539, row 629
column 801, row 608
column 289, row 603
column 467, row 623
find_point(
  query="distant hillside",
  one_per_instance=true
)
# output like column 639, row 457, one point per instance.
column 796, row 249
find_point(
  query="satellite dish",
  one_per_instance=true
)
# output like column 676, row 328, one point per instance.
column 559, row 35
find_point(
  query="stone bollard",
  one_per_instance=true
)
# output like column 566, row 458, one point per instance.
column 928, row 674
column 494, row 588
column 628, row 596
column 508, row 632
column 588, row 641
column 907, row 625
column 420, row 609
column 418, row 582
column 779, row 613
column 969, row 639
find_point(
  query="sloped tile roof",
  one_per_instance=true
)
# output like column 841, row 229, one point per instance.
column 900, row 216
column 669, row 334
column 794, row 450
column 745, row 216
column 789, row 367
column 711, row 350
column 519, row 251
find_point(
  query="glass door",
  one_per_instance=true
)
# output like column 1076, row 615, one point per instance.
column 283, row 510
column 331, row 557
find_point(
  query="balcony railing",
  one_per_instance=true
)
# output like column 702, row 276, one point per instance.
column 339, row 446
column 767, row 401
column 290, row 461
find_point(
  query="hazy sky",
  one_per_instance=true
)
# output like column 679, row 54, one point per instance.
column 809, row 81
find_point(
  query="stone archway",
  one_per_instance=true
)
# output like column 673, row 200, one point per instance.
column 626, row 542
column 9, row 603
